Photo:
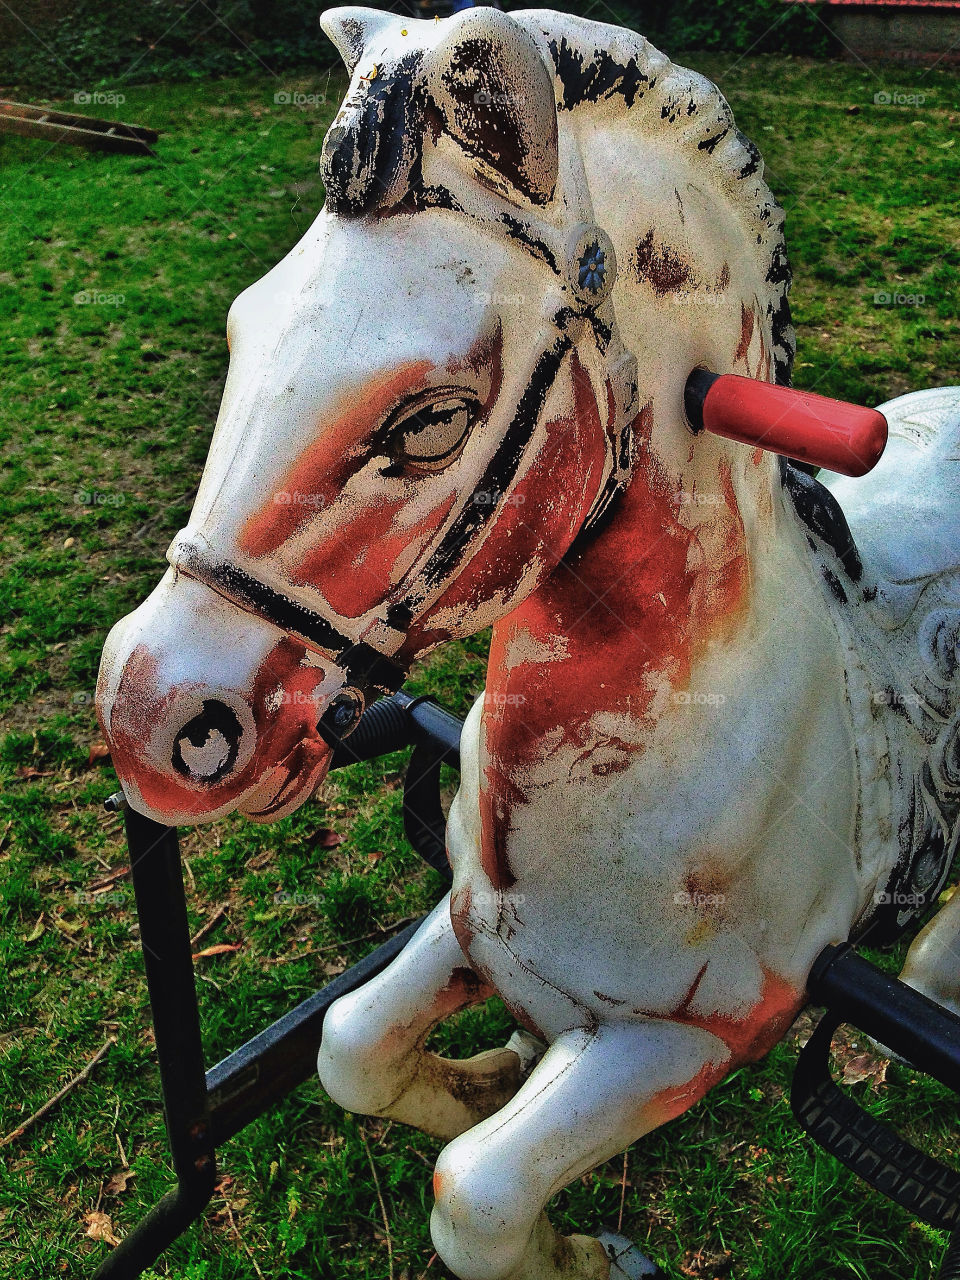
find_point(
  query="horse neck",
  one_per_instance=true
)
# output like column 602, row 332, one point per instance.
column 622, row 620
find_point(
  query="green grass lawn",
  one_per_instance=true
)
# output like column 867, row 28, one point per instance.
column 106, row 408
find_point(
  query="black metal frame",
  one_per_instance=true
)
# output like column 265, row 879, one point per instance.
column 203, row 1108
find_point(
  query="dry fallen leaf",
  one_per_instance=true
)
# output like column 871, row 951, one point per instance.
column 118, row 1182
column 37, row 930
column 98, row 751
column 220, row 949
column 28, row 771
column 702, row 1264
column 99, row 1227
column 326, row 839
column 866, row 1066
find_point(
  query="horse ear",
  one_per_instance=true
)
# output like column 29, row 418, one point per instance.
column 497, row 100
column 352, row 28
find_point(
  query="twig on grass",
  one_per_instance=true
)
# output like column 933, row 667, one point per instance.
column 57, row 1097
column 210, row 924
column 623, row 1190
column 347, row 942
column 366, row 937
column 383, row 1207
column 119, row 873
column 236, row 1231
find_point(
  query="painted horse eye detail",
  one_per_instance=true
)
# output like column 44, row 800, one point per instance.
column 430, row 436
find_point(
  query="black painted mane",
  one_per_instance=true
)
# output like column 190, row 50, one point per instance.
column 469, row 90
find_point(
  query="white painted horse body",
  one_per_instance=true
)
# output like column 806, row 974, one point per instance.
column 709, row 743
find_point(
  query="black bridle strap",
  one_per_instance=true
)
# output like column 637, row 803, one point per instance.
column 365, row 666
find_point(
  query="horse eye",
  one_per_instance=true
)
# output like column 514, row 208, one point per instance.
column 429, row 437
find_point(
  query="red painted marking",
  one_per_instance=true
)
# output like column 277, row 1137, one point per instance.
column 355, row 566
column 323, row 468
column 674, row 1101
column 629, row 607
column 368, row 546
column 630, row 611
column 287, row 741
column 753, row 1035
column 798, row 424
column 747, row 1039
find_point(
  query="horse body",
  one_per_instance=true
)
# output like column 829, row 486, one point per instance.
column 699, row 851
column 458, row 403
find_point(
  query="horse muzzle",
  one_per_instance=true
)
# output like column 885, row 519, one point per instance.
column 209, row 709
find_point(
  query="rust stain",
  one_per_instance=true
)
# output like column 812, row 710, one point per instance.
column 747, row 322
column 662, row 266
column 460, row 905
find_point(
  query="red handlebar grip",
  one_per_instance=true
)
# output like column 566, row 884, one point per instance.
column 827, row 433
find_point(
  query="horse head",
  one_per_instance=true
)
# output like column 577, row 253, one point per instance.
column 443, row 386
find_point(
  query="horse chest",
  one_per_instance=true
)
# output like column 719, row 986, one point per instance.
column 606, row 869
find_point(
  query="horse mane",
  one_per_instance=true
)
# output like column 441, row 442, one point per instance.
column 372, row 160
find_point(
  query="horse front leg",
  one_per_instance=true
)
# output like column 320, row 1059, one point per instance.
column 932, row 966
column 372, row 1058
column 591, row 1095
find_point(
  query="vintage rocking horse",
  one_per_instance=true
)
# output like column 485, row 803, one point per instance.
column 715, row 737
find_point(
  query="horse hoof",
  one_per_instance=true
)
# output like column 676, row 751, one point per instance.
column 626, row 1260
column 528, row 1049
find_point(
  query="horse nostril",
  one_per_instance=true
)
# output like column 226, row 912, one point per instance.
column 206, row 748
